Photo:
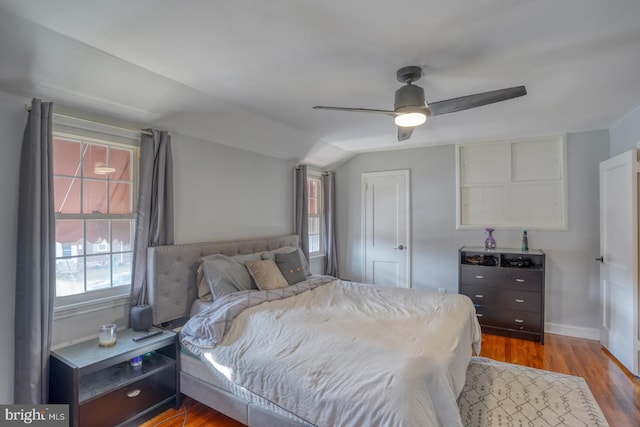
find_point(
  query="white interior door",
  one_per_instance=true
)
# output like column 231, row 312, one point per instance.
column 619, row 258
column 386, row 219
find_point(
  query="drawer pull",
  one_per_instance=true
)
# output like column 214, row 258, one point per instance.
column 479, row 296
column 479, row 277
column 479, row 314
column 519, row 300
column 134, row 393
column 519, row 321
column 520, row 280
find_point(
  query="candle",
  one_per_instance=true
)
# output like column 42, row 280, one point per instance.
column 107, row 335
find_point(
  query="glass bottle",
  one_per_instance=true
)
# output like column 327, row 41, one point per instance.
column 525, row 241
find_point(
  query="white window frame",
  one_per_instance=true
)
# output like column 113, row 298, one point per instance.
column 94, row 132
column 317, row 175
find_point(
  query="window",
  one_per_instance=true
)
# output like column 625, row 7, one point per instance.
column 314, row 205
column 94, row 192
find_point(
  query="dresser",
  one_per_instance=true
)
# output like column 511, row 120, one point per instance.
column 103, row 387
column 507, row 290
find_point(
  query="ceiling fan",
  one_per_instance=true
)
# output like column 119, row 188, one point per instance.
column 410, row 108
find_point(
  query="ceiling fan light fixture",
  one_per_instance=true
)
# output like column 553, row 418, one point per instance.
column 410, row 119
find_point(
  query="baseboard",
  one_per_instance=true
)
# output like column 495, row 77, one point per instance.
column 572, row 331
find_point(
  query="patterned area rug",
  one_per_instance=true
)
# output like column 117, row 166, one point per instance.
column 507, row 395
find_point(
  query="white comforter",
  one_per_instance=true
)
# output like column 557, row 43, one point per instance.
column 346, row 354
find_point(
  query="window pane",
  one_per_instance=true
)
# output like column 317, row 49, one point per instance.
column 66, row 157
column 95, row 197
column 314, row 225
column 122, row 268
column 93, row 178
column 94, row 156
column 312, row 196
column 69, row 276
column 69, row 239
column 66, row 195
column 97, row 241
column 314, row 243
column 122, row 235
column 120, row 198
column 120, row 160
column 98, row 272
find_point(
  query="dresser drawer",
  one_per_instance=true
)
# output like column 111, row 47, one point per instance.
column 512, row 299
column 510, row 319
column 478, row 275
column 119, row 405
column 509, row 278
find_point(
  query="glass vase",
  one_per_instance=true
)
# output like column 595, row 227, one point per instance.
column 489, row 242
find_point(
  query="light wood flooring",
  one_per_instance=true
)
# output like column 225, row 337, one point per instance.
column 615, row 389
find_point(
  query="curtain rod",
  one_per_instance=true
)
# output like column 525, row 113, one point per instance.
column 131, row 129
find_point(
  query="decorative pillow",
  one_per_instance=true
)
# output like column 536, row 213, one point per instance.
column 291, row 267
column 204, row 293
column 266, row 274
column 286, row 250
column 224, row 275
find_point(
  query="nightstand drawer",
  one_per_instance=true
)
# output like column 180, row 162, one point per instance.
column 127, row 402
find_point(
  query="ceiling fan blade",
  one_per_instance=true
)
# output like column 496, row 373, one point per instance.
column 357, row 110
column 475, row 100
column 404, row 133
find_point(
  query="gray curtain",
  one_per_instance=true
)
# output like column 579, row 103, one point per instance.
column 329, row 223
column 154, row 219
column 302, row 209
column 36, row 264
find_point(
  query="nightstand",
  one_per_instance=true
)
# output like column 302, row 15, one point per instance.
column 103, row 389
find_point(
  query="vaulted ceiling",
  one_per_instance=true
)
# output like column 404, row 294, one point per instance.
column 247, row 73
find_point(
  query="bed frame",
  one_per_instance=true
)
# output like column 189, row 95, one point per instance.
column 172, row 289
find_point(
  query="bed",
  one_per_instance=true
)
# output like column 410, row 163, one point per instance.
column 322, row 351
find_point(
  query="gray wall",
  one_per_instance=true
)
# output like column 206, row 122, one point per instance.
column 572, row 277
column 625, row 135
column 226, row 193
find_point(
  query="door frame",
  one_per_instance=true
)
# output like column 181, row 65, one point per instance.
column 363, row 180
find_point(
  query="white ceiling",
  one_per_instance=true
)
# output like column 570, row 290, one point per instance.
column 246, row 73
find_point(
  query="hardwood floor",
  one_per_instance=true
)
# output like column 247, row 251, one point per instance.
column 615, row 389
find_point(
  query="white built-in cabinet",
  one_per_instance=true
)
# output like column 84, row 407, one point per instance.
column 512, row 184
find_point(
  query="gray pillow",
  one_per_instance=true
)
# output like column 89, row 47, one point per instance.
column 224, row 275
column 286, row 250
column 291, row 267
column 242, row 259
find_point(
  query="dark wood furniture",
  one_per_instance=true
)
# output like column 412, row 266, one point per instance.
column 507, row 289
column 101, row 386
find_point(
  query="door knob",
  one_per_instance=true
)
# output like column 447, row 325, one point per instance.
column 400, row 247
column 600, row 258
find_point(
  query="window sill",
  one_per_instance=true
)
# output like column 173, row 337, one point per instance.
column 103, row 302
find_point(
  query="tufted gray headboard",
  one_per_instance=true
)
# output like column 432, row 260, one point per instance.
column 171, row 271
